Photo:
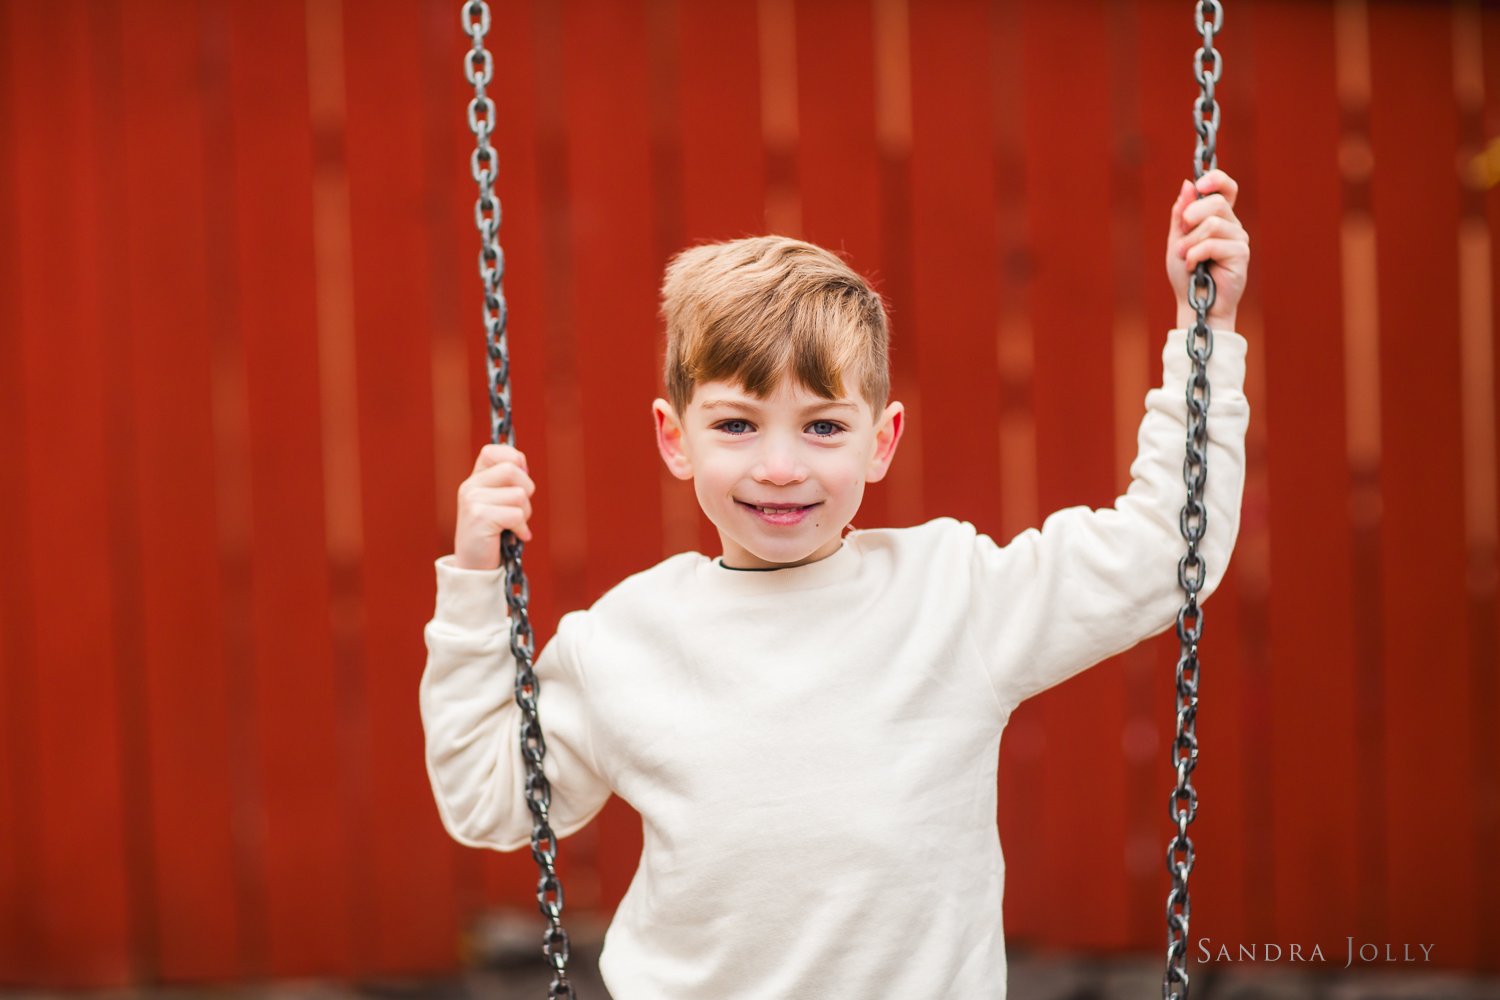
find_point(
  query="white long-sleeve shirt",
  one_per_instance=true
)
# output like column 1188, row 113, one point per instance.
column 813, row 750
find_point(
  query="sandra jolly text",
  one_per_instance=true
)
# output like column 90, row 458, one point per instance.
column 1367, row 952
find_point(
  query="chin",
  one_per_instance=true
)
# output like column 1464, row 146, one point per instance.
column 788, row 555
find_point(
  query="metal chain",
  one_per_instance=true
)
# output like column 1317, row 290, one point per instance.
column 1183, row 803
column 479, row 69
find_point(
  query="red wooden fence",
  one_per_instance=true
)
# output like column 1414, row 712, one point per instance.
column 240, row 378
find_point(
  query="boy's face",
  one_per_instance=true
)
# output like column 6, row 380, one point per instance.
column 806, row 457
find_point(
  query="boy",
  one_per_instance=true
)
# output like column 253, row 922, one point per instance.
column 808, row 725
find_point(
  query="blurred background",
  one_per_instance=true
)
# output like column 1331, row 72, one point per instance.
column 241, row 377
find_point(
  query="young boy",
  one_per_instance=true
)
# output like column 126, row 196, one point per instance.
column 809, row 724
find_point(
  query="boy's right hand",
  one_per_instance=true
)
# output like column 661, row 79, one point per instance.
column 495, row 497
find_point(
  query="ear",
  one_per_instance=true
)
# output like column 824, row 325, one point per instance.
column 887, row 435
column 669, row 440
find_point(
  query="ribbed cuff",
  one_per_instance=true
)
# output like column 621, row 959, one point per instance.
column 470, row 598
column 1226, row 365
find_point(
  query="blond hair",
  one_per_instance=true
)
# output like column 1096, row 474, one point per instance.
column 754, row 310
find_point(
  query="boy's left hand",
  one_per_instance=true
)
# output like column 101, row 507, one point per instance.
column 1206, row 228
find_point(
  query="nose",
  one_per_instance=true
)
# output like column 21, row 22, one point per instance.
column 779, row 462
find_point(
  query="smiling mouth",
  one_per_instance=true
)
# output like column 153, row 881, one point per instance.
column 776, row 508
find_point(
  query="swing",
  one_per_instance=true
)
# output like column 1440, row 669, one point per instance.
column 1207, row 66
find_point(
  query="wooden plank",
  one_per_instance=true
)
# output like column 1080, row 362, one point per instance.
column 1160, row 151
column 233, row 481
column 1021, row 771
column 900, row 495
column 1413, row 128
column 718, row 103
column 300, row 811
column 124, row 557
column 79, row 908
column 723, row 167
column 1487, row 784
column 183, row 692
column 838, row 160
column 407, row 868
column 1312, row 886
column 616, row 270
column 954, row 252
column 1069, row 303
column 20, row 948
column 954, row 309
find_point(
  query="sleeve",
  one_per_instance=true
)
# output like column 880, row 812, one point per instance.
column 1092, row 583
column 472, row 723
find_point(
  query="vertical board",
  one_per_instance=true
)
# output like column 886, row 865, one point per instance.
column 124, row 556
column 303, row 856
column 838, row 162
column 1159, row 153
column 1149, row 141
column 232, row 474
column 1023, row 742
column 184, row 700
column 406, row 871
column 1296, row 266
column 69, row 773
column 1487, row 789
column 18, row 947
column 954, row 254
column 1413, row 129
column 723, row 191
column 1069, row 303
column 718, row 107
column 612, row 220
column 901, row 491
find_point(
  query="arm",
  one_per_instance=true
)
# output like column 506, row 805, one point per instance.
column 1092, row 583
column 472, row 722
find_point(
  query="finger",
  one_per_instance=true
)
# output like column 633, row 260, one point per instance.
column 1218, row 180
column 1212, row 204
column 505, row 474
column 493, row 454
column 508, row 496
column 1225, row 252
column 1213, row 227
column 505, row 518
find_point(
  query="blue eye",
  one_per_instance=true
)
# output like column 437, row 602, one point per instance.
column 833, row 428
column 727, row 426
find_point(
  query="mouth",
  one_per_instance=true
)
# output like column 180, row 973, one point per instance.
column 778, row 513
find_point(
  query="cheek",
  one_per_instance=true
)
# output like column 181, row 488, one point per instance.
column 717, row 471
column 847, row 474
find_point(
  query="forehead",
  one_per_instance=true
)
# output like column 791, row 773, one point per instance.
column 789, row 394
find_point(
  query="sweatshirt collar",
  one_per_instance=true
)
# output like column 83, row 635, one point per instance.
column 842, row 565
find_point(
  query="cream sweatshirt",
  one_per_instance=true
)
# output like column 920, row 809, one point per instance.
column 813, row 750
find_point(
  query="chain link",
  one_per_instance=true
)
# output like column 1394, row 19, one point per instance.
column 1208, row 64
column 479, row 70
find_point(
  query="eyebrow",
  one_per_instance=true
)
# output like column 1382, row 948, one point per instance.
column 746, row 404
